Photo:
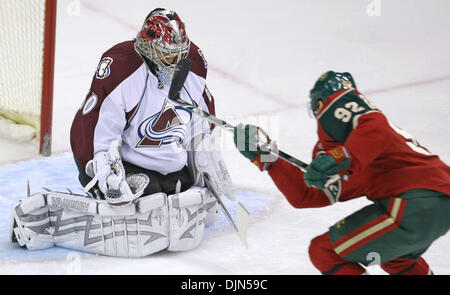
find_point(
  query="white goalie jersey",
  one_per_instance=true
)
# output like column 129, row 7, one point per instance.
column 125, row 103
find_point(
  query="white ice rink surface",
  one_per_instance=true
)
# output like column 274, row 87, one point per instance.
column 264, row 57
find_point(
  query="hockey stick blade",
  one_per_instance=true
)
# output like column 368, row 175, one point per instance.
column 179, row 77
column 243, row 218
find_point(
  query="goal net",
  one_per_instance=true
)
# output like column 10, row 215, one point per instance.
column 27, row 38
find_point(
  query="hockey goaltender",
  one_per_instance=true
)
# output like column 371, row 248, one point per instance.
column 143, row 160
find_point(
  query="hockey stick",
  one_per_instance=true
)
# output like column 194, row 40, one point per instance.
column 243, row 215
column 181, row 72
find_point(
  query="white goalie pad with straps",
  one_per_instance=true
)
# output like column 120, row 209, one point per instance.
column 147, row 225
column 206, row 158
column 76, row 222
column 187, row 213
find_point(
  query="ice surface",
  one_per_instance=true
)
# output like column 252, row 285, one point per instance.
column 264, row 56
column 14, row 179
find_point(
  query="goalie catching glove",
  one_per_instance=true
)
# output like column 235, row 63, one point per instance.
column 254, row 144
column 107, row 169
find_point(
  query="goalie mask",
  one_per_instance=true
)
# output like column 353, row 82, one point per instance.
column 163, row 39
column 328, row 84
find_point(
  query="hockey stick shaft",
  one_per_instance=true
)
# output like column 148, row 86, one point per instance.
column 221, row 204
column 181, row 73
column 227, row 126
column 242, row 213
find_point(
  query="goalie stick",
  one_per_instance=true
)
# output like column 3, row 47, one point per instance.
column 181, row 72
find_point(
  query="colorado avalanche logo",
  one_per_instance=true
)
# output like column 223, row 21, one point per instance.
column 104, row 68
column 165, row 127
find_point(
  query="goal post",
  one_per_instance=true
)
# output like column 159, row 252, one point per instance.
column 45, row 140
column 27, row 57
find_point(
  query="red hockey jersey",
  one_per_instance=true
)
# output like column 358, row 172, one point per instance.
column 385, row 160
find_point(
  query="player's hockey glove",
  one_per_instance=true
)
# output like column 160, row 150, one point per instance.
column 254, row 144
column 327, row 168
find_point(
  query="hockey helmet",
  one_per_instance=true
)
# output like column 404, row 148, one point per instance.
column 328, row 84
column 163, row 39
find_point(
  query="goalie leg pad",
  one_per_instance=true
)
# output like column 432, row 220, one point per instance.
column 212, row 208
column 141, row 231
column 80, row 223
column 187, row 212
column 32, row 227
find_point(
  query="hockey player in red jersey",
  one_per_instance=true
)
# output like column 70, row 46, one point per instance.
column 360, row 153
column 142, row 157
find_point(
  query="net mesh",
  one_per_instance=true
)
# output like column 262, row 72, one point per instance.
column 22, row 25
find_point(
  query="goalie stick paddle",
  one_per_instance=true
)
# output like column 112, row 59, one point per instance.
column 181, row 72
